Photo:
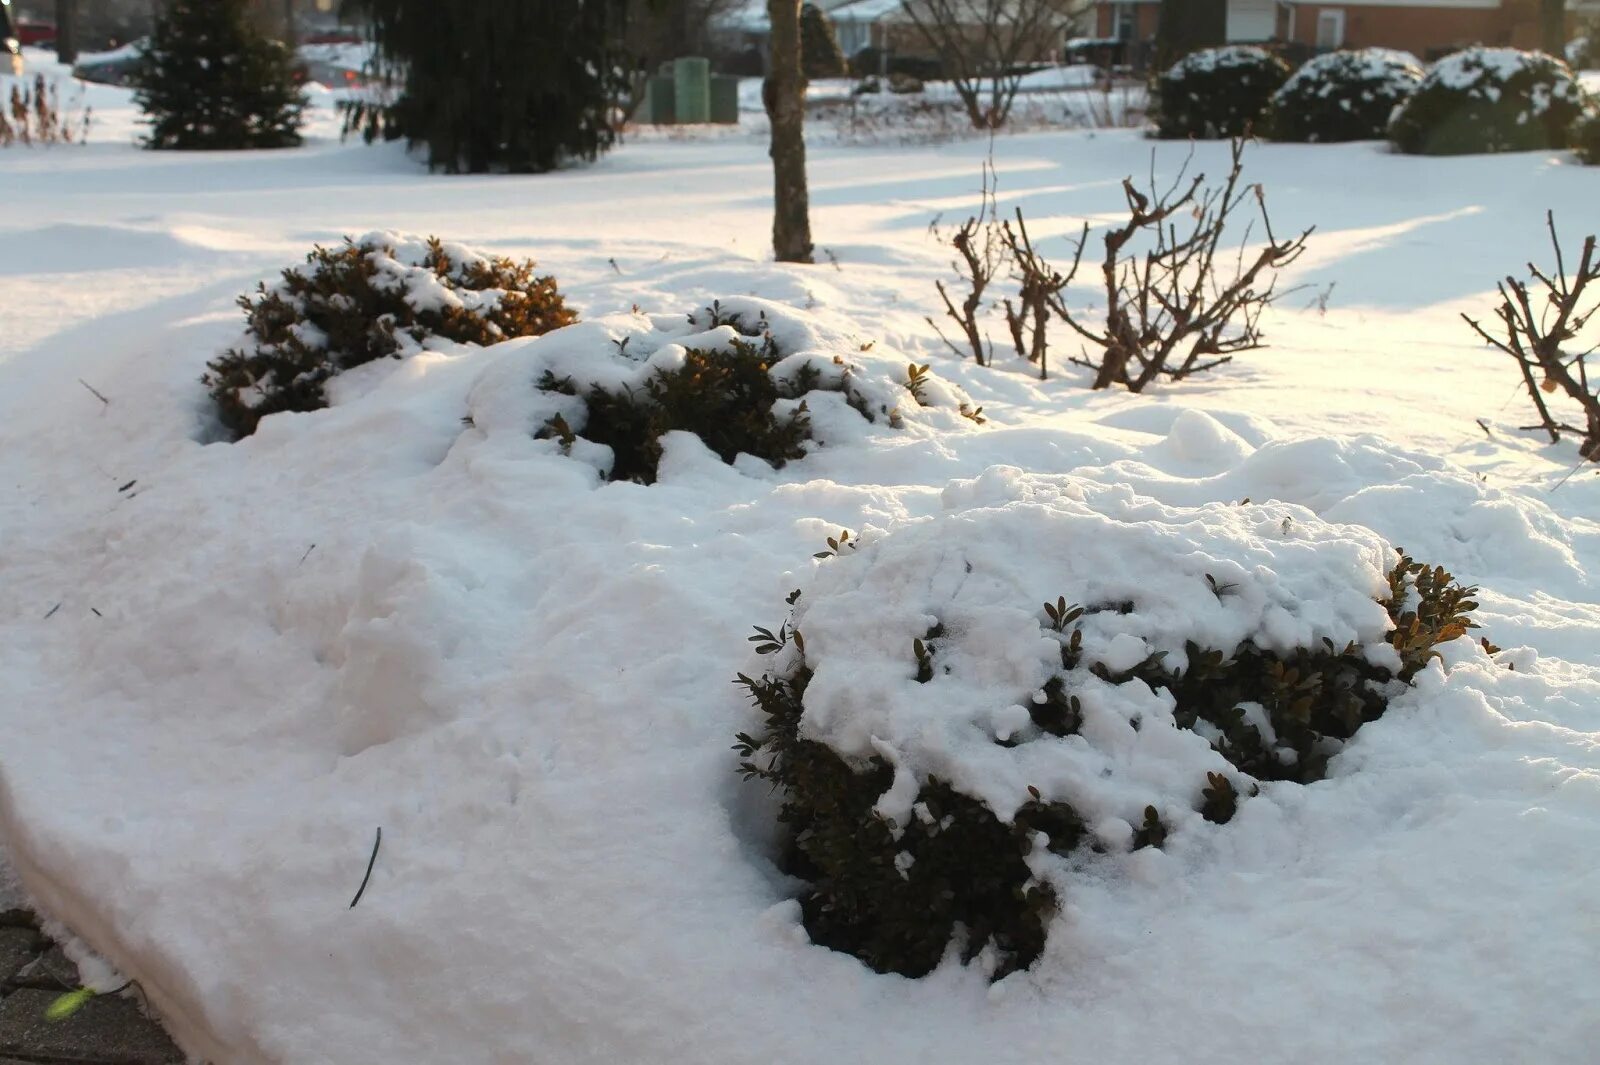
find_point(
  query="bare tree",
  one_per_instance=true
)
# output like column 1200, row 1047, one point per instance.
column 1545, row 334
column 985, row 45
column 784, row 96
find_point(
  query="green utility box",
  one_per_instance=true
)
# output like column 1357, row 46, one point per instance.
column 691, row 84
column 685, row 91
column 659, row 102
column 725, row 99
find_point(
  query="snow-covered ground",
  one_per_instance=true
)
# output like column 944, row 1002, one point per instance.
column 225, row 667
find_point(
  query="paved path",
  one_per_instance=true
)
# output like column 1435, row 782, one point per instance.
column 108, row 1030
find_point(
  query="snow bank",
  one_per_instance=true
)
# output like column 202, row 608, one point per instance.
column 223, row 678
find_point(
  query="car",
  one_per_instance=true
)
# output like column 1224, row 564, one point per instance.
column 32, row 34
column 115, row 67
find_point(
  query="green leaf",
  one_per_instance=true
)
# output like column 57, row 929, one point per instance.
column 66, row 1005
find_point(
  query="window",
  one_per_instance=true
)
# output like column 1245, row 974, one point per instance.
column 1330, row 30
column 1124, row 22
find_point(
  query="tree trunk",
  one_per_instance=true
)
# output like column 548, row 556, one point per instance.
column 784, row 95
column 1553, row 27
column 1185, row 26
column 291, row 35
column 66, row 30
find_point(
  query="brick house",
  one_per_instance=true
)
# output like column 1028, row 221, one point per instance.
column 884, row 26
column 1423, row 27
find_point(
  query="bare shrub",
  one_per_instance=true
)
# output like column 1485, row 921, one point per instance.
column 1177, row 309
column 1546, row 335
column 1175, row 304
column 34, row 115
column 980, row 244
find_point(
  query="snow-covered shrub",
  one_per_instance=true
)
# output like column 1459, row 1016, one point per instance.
column 385, row 295
column 1585, row 137
column 941, row 742
column 1344, row 96
column 1490, row 100
column 1217, row 92
column 745, row 376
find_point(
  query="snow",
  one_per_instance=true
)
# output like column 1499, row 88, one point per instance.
column 1208, row 60
column 225, row 666
column 1378, row 69
column 1485, row 72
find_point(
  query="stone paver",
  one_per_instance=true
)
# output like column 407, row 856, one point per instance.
column 50, row 971
column 18, row 948
column 107, row 1030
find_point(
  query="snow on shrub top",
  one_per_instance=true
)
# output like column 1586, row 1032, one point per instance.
column 826, row 382
column 1152, row 579
column 1489, row 100
column 1385, row 68
column 1343, row 96
column 1209, row 60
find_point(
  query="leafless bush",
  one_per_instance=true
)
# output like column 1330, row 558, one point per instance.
column 1174, row 307
column 1546, row 336
column 980, row 244
column 33, row 115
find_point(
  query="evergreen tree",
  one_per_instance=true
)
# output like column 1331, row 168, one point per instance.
column 211, row 80
column 820, row 54
column 515, row 85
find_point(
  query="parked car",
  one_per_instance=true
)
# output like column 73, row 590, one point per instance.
column 115, row 67
column 33, row 34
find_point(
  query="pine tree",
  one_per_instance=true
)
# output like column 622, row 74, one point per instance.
column 211, row 80
column 515, row 85
column 820, row 54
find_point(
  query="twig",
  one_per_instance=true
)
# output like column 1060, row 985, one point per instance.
column 370, row 863
column 95, row 391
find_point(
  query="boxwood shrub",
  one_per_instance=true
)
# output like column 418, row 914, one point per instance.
column 1343, row 96
column 1490, row 100
column 899, row 892
column 1217, row 92
column 1585, row 137
column 745, row 376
